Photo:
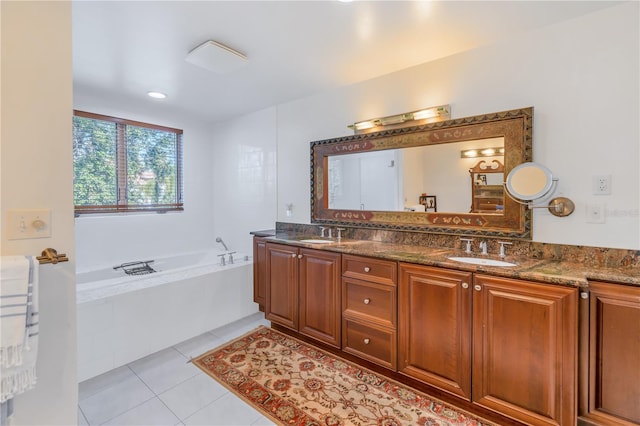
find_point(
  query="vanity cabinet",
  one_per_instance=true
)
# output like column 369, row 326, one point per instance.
column 610, row 385
column 259, row 271
column 508, row 345
column 369, row 309
column 524, row 356
column 434, row 322
column 303, row 291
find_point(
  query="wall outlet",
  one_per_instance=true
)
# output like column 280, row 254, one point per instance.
column 601, row 184
column 595, row 213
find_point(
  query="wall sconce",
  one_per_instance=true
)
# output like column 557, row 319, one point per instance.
column 482, row 152
column 423, row 116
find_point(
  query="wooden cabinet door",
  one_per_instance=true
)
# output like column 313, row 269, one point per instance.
column 319, row 286
column 614, row 355
column 259, row 271
column 525, row 350
column 434, row 327
column 281, row 293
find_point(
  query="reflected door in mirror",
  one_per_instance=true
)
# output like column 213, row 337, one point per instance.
column 364, row 181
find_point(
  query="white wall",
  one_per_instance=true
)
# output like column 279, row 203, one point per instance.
column 581, row 76
column 107, row 240
column 244, row 178
column 37, row 172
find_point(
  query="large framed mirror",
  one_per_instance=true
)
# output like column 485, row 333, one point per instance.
column 380, row 179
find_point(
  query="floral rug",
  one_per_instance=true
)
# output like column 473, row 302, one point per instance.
column 294, row 383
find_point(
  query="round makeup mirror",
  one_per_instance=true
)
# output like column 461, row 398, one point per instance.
column 529, row 181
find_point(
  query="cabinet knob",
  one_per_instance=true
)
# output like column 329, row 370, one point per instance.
column 367, row 269
column 584, row 295
column 293, row 255
column 465, row 285
column 366, row 341
column 299, row 256
column 477, row 287
column 367, row 301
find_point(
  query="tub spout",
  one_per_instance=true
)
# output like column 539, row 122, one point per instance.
column 219, row 240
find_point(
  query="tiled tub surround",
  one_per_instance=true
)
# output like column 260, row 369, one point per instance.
column 550, row 263
column 122, row 319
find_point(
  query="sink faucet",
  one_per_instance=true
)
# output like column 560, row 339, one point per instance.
column 468, row 246
column 502, row 244
column 483, row 247
column 322, row 229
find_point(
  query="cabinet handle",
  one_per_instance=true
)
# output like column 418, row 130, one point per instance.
column 299, row 256
column 367, row 269
column 465, row 285
column 477, row 287
column 367, row 301
column 293, row 255
column 366, row 341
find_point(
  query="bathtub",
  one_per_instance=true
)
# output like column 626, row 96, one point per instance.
column 122, row 318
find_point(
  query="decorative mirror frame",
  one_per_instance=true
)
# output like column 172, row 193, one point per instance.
column 515, row 126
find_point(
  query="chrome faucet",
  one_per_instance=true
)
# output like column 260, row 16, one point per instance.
column 468, row 245
column 502, row 244
column 219, row 240
column 483, row 247
column 322, row 229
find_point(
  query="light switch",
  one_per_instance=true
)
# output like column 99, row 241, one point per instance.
column 24, row 224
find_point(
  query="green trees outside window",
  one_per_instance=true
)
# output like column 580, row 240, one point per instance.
column 122, row 165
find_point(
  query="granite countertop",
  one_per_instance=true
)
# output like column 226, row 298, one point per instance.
column 542, row 270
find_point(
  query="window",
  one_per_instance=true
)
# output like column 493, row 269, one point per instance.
column 124, row 166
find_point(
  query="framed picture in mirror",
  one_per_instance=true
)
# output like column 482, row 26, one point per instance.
column 429, row 202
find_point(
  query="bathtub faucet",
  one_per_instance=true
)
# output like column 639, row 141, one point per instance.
column 219, row 240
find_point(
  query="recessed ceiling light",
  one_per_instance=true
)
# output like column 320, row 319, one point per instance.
column 156, row 95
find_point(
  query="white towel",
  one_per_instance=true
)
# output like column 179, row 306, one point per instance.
column 14, row 283
column 18, row 374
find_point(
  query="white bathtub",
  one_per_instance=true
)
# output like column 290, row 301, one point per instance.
column 122, row 318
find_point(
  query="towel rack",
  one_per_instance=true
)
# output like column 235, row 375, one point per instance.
column 50, row 255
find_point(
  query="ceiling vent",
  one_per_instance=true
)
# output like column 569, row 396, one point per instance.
column 216, row 57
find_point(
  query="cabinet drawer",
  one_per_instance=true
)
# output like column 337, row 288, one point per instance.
column 370, row 301
column 376, row 344
column 369, row 269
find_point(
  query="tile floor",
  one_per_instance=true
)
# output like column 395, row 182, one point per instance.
column 165, row 389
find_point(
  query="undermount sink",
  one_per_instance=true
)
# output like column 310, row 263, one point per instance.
column 316, row 241
column 481, row 261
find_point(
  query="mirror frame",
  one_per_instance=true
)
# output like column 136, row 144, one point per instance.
column 515, row 126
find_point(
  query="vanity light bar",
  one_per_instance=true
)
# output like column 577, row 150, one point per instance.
column 482, row 152
column 427, row 115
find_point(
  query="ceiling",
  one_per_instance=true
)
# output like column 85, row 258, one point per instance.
column 123, row 49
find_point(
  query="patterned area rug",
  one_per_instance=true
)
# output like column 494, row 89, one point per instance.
column 294, row 383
